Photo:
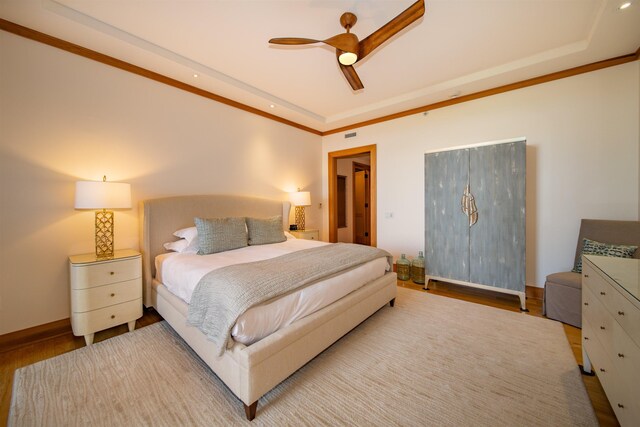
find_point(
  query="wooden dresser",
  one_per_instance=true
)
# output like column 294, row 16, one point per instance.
column 611, row 331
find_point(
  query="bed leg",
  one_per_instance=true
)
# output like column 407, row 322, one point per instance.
column 392, row 302
column 250, row 410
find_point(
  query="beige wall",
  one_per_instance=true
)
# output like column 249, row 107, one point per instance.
column 583, row 143
column 345, row 167
column 64, row 118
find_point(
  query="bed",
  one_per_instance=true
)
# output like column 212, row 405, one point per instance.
column 252, row 370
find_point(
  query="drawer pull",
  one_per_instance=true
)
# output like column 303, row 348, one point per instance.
column 620, row 405
column 113, row 316
column 602, row 370
column 586, row 338
column 586, row 275
column 621, row 355
column 113, row 295
column 602, row 327
column 586, row 303
column 111, row 273
column 621, row 313
column 603, row 293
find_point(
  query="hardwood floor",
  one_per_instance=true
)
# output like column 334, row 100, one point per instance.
column 31, row 353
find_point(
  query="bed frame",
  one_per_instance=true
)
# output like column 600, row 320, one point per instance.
column 249, row 371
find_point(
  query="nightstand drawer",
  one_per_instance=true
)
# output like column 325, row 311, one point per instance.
column 104, row 296
column 306, row 234
column 104, row 273
column 104, row 318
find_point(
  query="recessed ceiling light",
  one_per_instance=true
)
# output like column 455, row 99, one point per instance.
column 195, row 75
column 624, row 5
column 272, row 106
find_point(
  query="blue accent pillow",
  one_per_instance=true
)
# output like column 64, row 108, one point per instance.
column 591, row 247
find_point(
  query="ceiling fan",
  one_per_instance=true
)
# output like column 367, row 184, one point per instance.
column 349, row 49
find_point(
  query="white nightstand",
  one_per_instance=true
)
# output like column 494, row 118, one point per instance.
column 105, row 292
column 307, row 234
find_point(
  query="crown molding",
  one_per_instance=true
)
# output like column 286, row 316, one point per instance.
column 31, row 34
column 34, row 35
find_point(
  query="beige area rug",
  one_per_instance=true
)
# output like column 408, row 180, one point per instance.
column 430, row 360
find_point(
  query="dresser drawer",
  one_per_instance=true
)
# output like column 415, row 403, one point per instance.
column 590, row 341
column 104, row 273
column 624, row 399
column 626, row 358
column 104, row 318
column 598, row 317
column 103, row 296
column 600, row 287
column 628, row 316
column 608, row 375
column 626, row 416
column 600, row 361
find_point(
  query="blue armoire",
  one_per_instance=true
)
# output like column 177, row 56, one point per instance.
column 475, row 216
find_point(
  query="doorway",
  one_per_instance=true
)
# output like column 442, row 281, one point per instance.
column 369, row 213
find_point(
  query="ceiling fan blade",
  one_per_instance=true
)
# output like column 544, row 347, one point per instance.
column 351, row 75
column 346, row 42
column 293, row 40
column 388, row 30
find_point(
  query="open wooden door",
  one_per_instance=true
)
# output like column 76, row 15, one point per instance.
column 361, row 204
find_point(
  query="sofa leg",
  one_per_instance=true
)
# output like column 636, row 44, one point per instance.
column 392, row 302
column 250, row 410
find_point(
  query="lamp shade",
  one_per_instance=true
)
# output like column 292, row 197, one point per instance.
column 102, row 195
column 300, row 198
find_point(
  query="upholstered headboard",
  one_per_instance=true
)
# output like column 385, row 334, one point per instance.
column 159, row 218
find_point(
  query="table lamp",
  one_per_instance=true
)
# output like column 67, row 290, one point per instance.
column 300, row 199
column 103, row 195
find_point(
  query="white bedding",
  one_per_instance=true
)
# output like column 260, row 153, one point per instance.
column 181, row 272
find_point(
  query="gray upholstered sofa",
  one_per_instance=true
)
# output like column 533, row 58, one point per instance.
column 563, row 291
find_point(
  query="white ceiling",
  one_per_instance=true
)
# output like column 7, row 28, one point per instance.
column 459, row 47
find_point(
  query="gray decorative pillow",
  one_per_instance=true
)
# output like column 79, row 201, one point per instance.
column 221, row 234
column 265, row 231
column 591, row 247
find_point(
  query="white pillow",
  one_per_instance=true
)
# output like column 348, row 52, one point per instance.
column 182, row 246
column 177, row 246
column 189, row 233
column 192, row 247
column 288, row 235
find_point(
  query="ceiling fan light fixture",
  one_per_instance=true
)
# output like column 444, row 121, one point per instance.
column 348, row 58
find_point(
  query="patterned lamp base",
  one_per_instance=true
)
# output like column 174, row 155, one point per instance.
column 104, row 234
column 300, row 217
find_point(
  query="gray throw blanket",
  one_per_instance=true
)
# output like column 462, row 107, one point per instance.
column 222, row 295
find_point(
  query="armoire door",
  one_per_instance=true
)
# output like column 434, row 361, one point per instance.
column 446, row 228
column 497, row 240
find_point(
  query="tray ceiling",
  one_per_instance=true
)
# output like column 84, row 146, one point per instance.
column 459, row 47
